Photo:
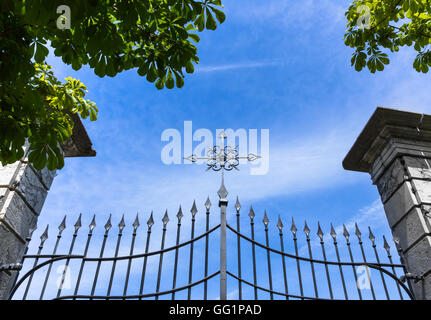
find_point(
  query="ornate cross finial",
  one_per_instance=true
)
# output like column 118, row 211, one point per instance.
column 222, row 157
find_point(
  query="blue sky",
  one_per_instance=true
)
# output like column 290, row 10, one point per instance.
column 280, row 65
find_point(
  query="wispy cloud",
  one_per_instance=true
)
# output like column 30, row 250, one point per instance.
column 233, row 66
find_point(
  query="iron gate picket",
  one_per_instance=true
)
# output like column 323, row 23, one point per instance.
column 387, row 271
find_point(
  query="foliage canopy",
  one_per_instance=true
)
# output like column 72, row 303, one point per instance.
column 154, row 36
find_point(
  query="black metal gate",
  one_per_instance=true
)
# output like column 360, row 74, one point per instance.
column 260, row 272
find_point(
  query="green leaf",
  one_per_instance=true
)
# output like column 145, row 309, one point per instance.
column 189, row 67
column 211, row 23
column 221, row 17
column 41, row 53
column 170, row 80
column 200, row 22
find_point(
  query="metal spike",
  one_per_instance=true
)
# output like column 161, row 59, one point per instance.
column 306, row 229
column 93, row 223
column 44, row 235
column 165, row 219
column 237, row 204
column 279, row 224
column 222, row 192
column 136, row 223
column 333, row 233
column 194, row 209
column 208, row 204
column 265, row 219
column 357, row 231
column 293, row 228
column 251, row 213
column 78, row 223
column 180, row 214
column 62, row 225
column 319, row 231
column 108, row 224
column 150, row 221
column 386, row 245
column 121, row 225
column 345, row 232
column 371, row 236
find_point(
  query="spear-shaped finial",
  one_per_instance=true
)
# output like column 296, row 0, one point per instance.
column 108, row 224
column 307, row 230
column 371, row 236
column 319, row 231
column 78, row 223
column 346, row 233
column 62, row 225
column 265, row 220
column 150, row 221
column 280, row 224
column 251, row 214
column 136, row 223
column 44, row 235
column 165, row 219
column 293, row 228
column 92, row 224
column 121, row 225
column 208, row 204
column 194, row 209
column 333, row 233
column 237, row 205
column 180, row 215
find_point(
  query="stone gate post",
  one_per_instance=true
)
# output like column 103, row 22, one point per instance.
column 23, row 190
column 395, row 149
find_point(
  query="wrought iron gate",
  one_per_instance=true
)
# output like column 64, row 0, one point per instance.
column 272, row 273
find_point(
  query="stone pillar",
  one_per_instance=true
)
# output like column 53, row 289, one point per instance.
column 395, row 149
column 23, row 191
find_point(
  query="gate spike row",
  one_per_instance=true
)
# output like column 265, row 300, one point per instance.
column 194, row 209
column 357, row 231
column 165, row 219
column 251, row 213
column 280, row 224
column 346, row 233
column 265, row 220
column 386, row 245
column 180, row 215
column 92, row 224
column 108, row 224
column 208, row 204
column 44, row 235
column 371, row 236
column 293, row 228
column 136, row 223
column 121, row 225
column 62, row 225
column 306, row 230
column 333, row 233
column 237, row 205
column 319, row 231
column 78, row 223
column 150, row 221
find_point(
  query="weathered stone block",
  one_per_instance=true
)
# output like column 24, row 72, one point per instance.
column 423, row 189
column 411, row 228
column 418, row 167
column 391, row 180
column 7, row 173
column 17, row 214
column 401, row 202
column 30, row 187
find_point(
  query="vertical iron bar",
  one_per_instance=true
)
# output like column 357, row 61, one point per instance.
column 347, row 236
column 388, row 250
column 334, row 237
column 107, row 227
column 280, row 229
column 192, row 236
column 75, row 234
column 222, row 193
column 121, row 226
column 61, row 227
column 207, row 225
column 372, row 238
column 238, row 241
column 150, row 223
column 81, row 268
column 253, row 250
column 179, row 216
column 307, row 233
column 43, row 238
column 268, row 256
column 358, row 234
column 132, row 247
column 298, row 264
column 165, row 221
column 322, row 244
